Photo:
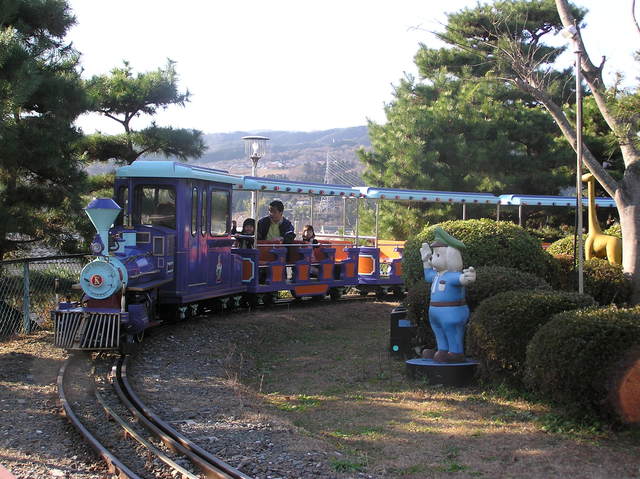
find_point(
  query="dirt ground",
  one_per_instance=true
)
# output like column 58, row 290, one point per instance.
column 326, row 368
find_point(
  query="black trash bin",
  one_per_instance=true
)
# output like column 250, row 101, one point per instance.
column 401, row 333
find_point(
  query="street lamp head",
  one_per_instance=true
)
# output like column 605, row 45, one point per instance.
column 255, row 146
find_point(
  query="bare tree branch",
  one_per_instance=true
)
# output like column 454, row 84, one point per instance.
column 633, row 15
column 593, row 75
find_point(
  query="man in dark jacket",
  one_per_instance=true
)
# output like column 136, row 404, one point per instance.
column 276, row 226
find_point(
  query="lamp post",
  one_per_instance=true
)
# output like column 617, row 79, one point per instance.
column 571, row 32
column 255, row 147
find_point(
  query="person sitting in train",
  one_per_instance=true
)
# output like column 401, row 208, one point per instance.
column 234, row 227
column 308, row 235
column 246, row 238
column 275, row 226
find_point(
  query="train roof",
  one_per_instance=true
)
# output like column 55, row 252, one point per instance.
column 301, row 187
column 545, row 200
column 428, row 195
column 174, row 169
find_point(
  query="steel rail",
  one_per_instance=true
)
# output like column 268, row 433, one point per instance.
column 150, row 447
column 212, row 466
column 114, row 464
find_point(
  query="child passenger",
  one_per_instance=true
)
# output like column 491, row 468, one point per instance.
column 308, row 235
column 248, row 227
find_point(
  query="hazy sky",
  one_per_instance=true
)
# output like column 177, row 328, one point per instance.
column 289, row 64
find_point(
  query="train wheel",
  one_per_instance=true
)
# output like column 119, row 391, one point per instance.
column 250, row 300
column 381, row 294
column 398, row 293
column 268, row 299
column 363, row 292
column 335, row 294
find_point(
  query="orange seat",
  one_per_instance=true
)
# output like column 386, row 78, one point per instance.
column 339, row 245
column 390, row 250
column 264, row 249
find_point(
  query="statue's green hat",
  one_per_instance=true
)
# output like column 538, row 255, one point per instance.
column 442, row 238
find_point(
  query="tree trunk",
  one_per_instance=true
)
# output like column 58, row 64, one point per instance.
column 630, row 225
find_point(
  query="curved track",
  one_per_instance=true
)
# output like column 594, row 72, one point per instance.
column 119, row 455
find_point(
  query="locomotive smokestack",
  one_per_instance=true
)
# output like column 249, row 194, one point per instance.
column 102, row 212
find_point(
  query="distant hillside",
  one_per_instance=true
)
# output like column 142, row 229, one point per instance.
column 291, row 154
column 229, row 146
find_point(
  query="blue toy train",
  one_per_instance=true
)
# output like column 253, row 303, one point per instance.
column 164, row 252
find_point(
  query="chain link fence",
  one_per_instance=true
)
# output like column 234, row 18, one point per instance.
column 30, row 287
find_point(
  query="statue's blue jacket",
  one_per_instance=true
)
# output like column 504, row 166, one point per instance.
column 445, row 287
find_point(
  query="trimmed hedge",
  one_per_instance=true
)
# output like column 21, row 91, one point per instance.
column 417, row 304
column 578, row 357
column 491, row 280
column 563, row 246
column 606, row 282
column 488, row 243
column 502, row 325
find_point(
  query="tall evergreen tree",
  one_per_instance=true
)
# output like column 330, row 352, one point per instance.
column 452, row 131
column 123, row 96
column 40, row 97
column 508, row 38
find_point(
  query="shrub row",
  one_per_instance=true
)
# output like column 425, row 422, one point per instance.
column 589, row 361
column 502, row 326
column 488, row 243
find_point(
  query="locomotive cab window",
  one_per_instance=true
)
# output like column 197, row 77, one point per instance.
column 155, row 206
column 219, row 213
column 122, row 198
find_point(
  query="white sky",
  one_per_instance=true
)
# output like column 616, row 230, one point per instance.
column 289, row 64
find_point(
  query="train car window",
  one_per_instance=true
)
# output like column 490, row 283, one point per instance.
column 203, row 219
column 155, row 206
column 219, row 213
column 122, row 198
column 194, row 211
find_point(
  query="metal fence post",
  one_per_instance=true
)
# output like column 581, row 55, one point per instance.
column 25, row 299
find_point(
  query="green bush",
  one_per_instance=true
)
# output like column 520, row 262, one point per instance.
column 546, row 234
column 577, row 358
column 412, row 269
column 417, row 304
column 488, row 243
column 563, row 246
column 491, row 280
column 606, row 282
column 614, row 230
column 502, row 325
column 417, row 301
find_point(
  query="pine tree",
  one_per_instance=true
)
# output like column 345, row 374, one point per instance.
column 123, row 96
column 40, row 97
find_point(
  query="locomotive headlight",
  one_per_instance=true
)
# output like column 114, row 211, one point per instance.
column 96, row 247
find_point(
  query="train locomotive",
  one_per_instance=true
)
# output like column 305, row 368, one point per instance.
column 163, row 251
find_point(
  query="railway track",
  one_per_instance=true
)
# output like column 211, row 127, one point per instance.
column 90, row 392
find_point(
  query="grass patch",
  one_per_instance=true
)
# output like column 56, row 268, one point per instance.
column 299, row 403
column 344, row 465
column 326, row 369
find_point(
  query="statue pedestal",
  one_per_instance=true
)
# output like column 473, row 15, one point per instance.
column 450, row 374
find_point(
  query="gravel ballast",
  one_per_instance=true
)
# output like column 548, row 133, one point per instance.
column 188, row 374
